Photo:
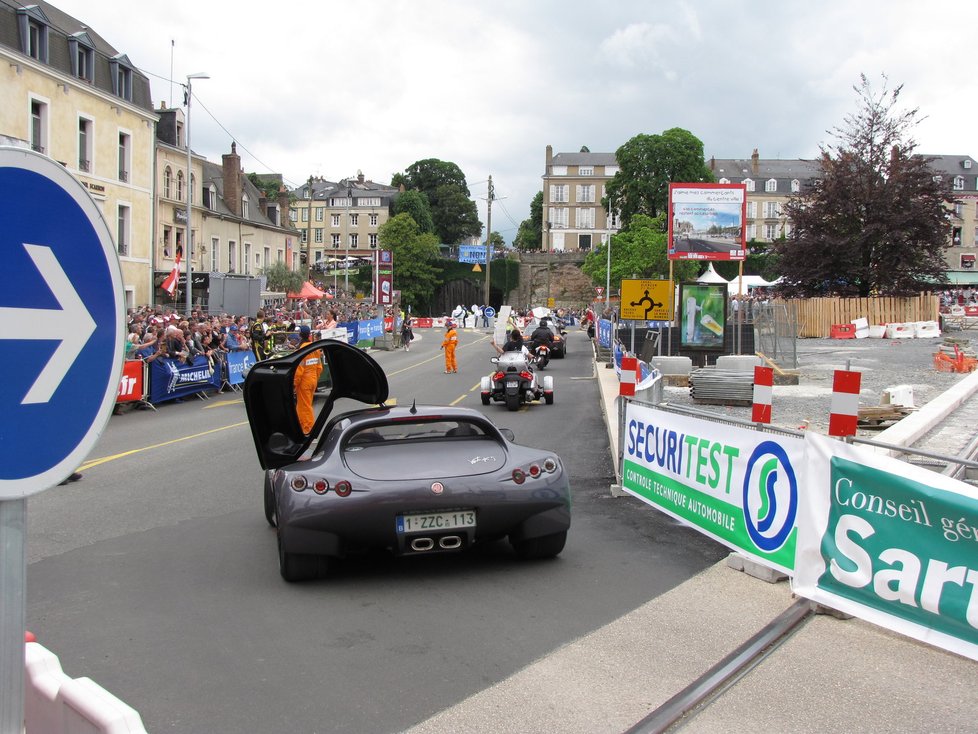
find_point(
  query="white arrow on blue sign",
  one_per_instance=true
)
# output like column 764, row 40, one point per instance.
column 62, row 323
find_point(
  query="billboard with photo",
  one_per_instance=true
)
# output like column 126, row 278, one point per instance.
column 707, row 221
column 703, row 315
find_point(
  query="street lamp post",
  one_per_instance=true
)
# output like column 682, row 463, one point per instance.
column 188, row 246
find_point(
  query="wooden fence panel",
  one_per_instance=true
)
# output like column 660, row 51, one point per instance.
column 817, row 315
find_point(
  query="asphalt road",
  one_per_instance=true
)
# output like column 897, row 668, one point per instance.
column 156, row 574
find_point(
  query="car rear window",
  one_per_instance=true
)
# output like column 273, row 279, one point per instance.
column 417, row 431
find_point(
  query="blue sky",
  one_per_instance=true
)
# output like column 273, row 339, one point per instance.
column 330, row 89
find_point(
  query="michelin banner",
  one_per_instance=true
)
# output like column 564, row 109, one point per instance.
column 890, row 543
column 736, row 485
column 170, row 379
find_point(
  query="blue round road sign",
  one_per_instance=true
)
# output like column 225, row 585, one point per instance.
column 61, row 323
column 489, row 311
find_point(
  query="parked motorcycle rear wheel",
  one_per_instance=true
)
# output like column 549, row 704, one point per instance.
column 512, row 402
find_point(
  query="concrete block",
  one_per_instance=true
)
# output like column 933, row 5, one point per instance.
column 739, row 362
column 739, row 562
column 673, row 365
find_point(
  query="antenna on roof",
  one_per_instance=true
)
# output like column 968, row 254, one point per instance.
column 414, row 406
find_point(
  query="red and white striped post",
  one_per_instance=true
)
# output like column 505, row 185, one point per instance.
column 629, row 368
column 844, row 414
column 763, row 390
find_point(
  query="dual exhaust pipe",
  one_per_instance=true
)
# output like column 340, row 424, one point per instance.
column 446, row 542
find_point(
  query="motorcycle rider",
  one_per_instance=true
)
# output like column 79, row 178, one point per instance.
column 514, row 343
column 542, row 335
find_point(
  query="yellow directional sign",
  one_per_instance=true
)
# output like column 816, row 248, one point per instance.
column 646, row 300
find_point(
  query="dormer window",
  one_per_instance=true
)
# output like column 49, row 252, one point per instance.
column 795, row 186
column 749, row 183
column 212, row 197
column 724, row 181
column 33, row 33
column 121, row 72
column 771, row 185
column 82, row 52
column 245, row 207
column 959, row 183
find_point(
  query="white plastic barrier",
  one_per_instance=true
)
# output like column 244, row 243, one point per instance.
column 901, row 395
column 899, row 331
column 926, row 329
column 877, row 331
column 57, row 704
column 862, row 328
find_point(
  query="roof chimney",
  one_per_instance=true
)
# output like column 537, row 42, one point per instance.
column 755, row 162
column 550, row 160
column 713, row 163
column 231, row 165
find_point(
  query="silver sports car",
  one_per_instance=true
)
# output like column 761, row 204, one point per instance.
column 415, row 480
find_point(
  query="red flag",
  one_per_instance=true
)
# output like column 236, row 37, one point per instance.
column 170, row 284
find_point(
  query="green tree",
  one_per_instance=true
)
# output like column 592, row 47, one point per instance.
column 416, row 274
column 529, row 236
column 637, row 252
column 415, row 203
column 428, row 174
column 647, row 164
column 453, row 213
column 278, row 277
column 876, row 222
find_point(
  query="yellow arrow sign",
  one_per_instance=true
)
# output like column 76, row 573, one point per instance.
column 646, row 300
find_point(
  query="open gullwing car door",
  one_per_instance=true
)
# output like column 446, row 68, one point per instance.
column 269, row 397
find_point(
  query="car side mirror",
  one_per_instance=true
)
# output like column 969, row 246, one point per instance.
column 494, row 360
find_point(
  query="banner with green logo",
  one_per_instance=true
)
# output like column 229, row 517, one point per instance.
column 890, row 543
column 736, row 485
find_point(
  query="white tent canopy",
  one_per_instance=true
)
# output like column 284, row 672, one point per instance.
column 711, row 276
column 750, row 282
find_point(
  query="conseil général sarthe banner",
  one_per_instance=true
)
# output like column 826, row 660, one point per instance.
column 736, row 485
column 891, row 543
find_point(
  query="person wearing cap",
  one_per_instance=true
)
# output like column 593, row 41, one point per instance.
column 231, row 341
column 306, row 380
column 448, row 344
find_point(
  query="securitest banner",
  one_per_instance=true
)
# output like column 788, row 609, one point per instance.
column 890, row 543
column 736, row 485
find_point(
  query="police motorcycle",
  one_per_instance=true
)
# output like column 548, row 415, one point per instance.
column 514, row 382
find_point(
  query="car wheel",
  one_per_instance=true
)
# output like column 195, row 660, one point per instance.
column 534, row 549
column 512, row 402
column 300, row 566
column 485, row 399
column 270, row 504
column 548, row 398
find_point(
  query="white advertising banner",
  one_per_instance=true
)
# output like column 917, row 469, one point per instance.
column 739, row 486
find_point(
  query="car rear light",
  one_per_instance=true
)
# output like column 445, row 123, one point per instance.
column 298, row 483
column 550, row 465
column 526, row 375
column 519, row 476
column 498, row 376
column 534, row 471
column 343, row 488
column 321, row 486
